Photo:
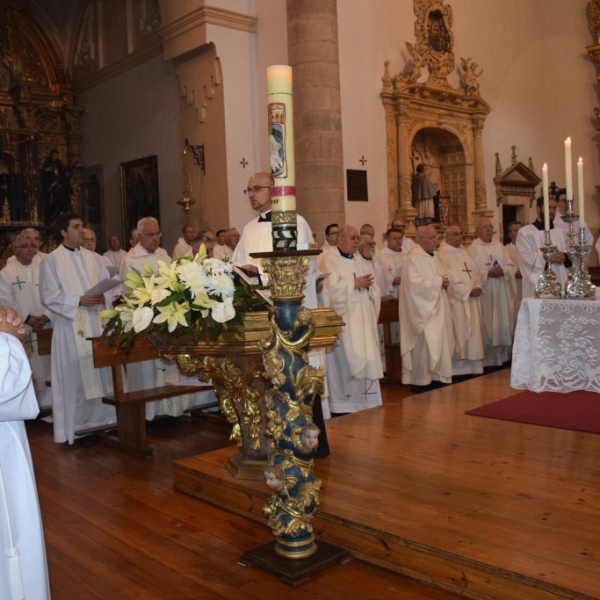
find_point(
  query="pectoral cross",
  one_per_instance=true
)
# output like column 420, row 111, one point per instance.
column 467, row 270
column 390, row 270
column 18, row 282
column 367, row 392
column 29, row 340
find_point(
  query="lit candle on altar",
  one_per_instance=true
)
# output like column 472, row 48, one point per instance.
column 546, row 199
column 580, row 193
column 568, row 169
column 281, row 137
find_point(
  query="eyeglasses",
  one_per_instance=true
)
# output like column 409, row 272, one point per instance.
column 208, row 240
column 156, row 234
column 255, row 189
column 26, row 246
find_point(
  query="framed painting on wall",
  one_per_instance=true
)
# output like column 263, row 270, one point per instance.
column 139, row 192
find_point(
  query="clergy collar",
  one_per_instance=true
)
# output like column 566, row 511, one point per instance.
column 345, row 254
column 70, row 249
column 540, row 225
column 264, row 217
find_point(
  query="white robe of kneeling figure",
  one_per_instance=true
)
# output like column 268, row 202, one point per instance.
column 77, row 387
column 19, row 290
column 511, row 249
column 531, row 260
column 426, row 338
column 497, row 300
column 155, row 373
column 20, row 520
column 354, row 364
column 467, row 325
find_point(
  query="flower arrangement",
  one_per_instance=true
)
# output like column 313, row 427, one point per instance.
column 189, row 295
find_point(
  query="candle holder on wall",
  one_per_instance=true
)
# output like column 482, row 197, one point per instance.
column 578, row 284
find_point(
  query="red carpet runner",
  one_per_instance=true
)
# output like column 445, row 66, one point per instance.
column 578, row 411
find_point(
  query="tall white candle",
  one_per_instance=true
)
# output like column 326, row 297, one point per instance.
column 281, row 137
column 580, row 193
column 568, row 169
column 546, row 200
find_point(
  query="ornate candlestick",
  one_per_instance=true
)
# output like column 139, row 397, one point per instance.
column 578, row 283
column 547, row 284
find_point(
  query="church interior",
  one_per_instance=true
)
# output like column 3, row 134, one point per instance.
column 160, row 106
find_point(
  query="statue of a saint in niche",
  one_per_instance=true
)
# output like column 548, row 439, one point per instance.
column 56, row 187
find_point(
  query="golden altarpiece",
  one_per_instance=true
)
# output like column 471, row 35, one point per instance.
column 435, row 124
column 37, row 114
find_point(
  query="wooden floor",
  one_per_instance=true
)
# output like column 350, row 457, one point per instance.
column 489, row 508
column 116, row 529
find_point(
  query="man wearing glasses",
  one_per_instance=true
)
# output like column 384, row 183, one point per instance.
column 256, row 237
column 150, row 374
column 19, row 290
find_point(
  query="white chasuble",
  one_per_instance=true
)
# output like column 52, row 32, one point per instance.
column 497, row 300
column 426, row 337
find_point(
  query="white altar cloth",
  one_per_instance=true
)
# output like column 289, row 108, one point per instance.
column 557, row 346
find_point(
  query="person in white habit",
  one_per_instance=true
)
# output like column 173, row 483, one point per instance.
column 513, row 230
column 19, row 290
column 464, row 297
column 66, row 275
column 354, row 363
column 156, row 373
column 257, row 237
column 115, row 254
column 529, row 241
column 426, row 336
column 184, row 243
column 23, row 565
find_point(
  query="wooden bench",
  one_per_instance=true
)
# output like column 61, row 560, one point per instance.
column 393, row 361
column 131, row 406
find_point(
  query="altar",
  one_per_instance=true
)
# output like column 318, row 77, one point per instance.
column 557, row 346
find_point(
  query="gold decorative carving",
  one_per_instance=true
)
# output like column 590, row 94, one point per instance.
column 435, row 117
column 238, row 401
column 286, row 275
column 284, row 217
column 593, row 10
column 434, row 46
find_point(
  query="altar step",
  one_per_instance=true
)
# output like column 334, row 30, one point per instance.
column 450, row 500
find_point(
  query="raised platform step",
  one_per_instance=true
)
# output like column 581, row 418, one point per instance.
column 461, row 503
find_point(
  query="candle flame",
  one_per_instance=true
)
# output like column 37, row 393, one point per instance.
column 580, row 159
column 568, row 140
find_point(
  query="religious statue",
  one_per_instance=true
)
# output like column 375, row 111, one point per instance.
column 423, row 194
column 470, row 83
column 56, row 187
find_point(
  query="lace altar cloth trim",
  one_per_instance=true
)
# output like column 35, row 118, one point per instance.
column 557, row 346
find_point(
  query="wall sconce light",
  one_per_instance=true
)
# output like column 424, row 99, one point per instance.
column 187, row 199
column 198, row 154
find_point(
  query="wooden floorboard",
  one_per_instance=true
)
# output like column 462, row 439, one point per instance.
column 117, row 530
column 496, row 509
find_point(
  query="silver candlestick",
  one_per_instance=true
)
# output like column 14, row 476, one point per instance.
column 578, row 282
column 547, row 284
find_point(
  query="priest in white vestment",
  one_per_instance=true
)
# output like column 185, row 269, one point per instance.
column 154, row 373
column 407, row 243
column 531, row 260
column 232, row 239
column 66, row 275
column 392, row 257
column 115, row 254
column 184, row 243
column 513, row 230
column 19, row 290
column 464, row 297
column 497, row 273
column 23, row 568
column 257, row 237
column 426, row 337
column 354, row 364
column 561, row 211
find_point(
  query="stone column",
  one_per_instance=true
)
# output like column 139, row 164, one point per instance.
column 407, row 210
column 313, row 54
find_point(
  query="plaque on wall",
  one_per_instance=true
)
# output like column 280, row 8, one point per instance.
column 356, row 185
